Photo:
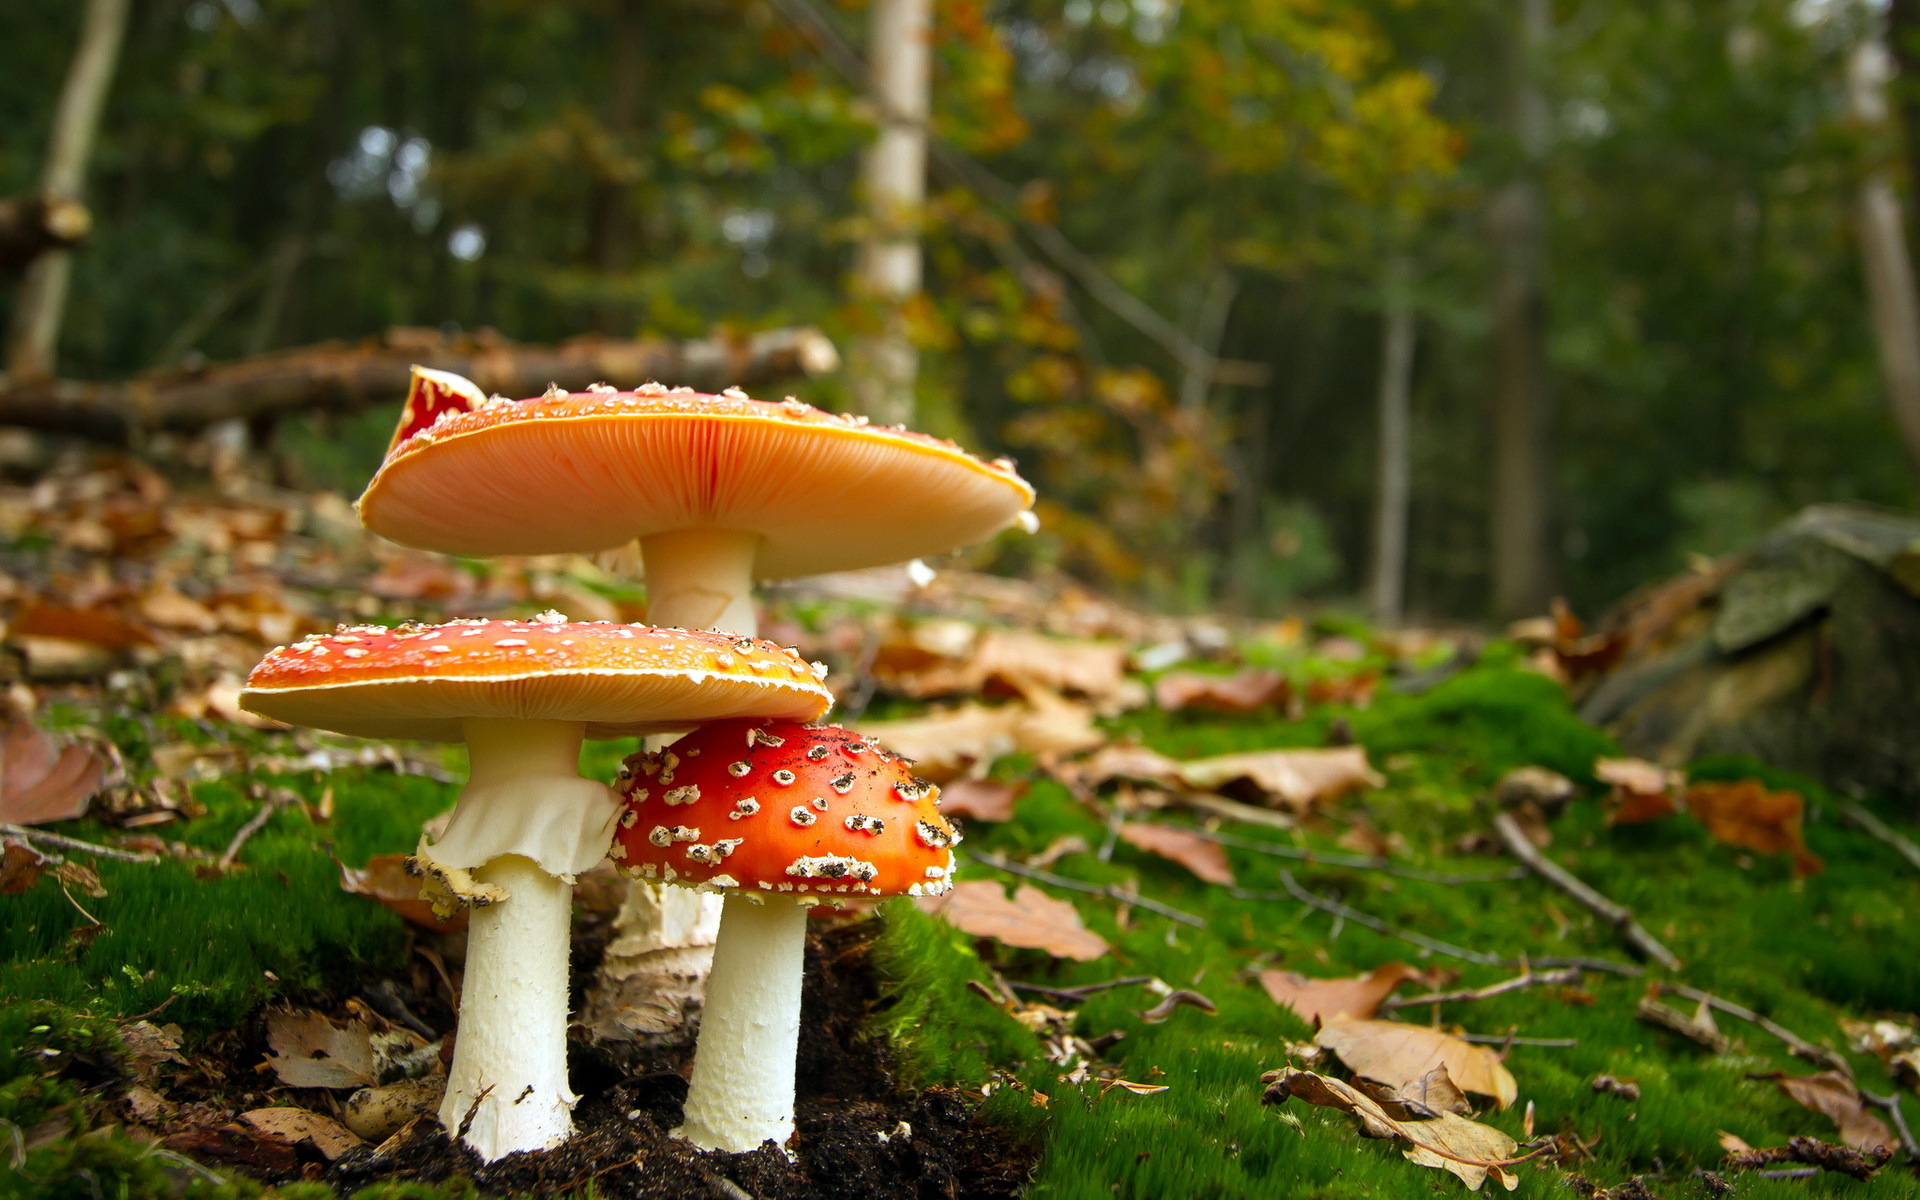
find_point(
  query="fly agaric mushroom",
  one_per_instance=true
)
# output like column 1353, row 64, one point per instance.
column 778, row 817
column 522, row 695
column 718, row 490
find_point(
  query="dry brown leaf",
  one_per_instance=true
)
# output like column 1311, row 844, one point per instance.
column 1396, row 1055
column 1319, row 1000
column 1122, row 760
column 943, row 661
column 1031, row 919
column 944, row 745
column 1834, row 1095
column 1466, row 1149
column 1175, row 1000
column 1127, row 1085
column 1642, row 791
column 1295, row 779
column 328, row 1136
column 163, row 606
column 94, row 626
column 311, row 1051
column 43, row 779
column 149, row 1046
column 20, row 867
column 1206, row 859
column 1356, row 690
column 1747, row 814
column 980, row 799
column 385, row 880
column 1241, row 692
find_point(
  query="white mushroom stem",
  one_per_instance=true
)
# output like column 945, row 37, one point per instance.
column 701, row 579
column 741, row 1093
column 525, row 824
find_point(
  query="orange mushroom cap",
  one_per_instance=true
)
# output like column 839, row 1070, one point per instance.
column 584, row 472
column 422, row 681
column 781, row 808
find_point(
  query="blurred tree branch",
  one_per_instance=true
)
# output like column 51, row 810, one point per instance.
column 336, row 375
column 35, row 223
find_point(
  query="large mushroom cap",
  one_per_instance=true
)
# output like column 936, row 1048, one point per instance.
column 780, row 808
column 585, row 472
column 423, row 681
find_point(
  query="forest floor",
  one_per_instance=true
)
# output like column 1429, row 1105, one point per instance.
column 143, row 1004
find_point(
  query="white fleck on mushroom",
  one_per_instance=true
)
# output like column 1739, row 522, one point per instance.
column 802, row 815
column 860, row 823
column 745, row 806
column 681, row 795
column 739, row 769
column 843, row 783
column 783, row 777
column 914, row 790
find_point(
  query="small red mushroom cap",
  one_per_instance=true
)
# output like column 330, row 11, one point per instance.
column 780, row 808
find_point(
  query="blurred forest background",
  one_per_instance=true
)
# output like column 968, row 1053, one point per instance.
column 1611, row 254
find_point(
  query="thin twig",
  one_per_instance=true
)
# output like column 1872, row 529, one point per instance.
column 1892, row 1104
column 152, row 1012
column 1501, row 1039
column 1092, row 889
column 63, row 842
column 1799, row 1045
column 1234, row 810
column 1530, row 979
column 1613, row 914
column 1296, row 892
column 1877, row 828
column 275, row 801
column 1586, row 964
column 76, row 904
column 1081, row 992
column 1361, row 862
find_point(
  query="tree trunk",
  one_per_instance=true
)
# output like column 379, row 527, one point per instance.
column 886, row 363
column 1883, row 248
column 1523, row 566
column 42, row 297
column 1395, row 478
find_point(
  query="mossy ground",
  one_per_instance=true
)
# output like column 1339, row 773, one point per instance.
column 1806, row 952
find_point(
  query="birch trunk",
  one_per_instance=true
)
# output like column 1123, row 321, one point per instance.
column 1395, row 469
column 1883, row 248
column 885, row 363
column 42, row 298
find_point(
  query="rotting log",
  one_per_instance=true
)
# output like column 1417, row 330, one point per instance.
column 341, row 376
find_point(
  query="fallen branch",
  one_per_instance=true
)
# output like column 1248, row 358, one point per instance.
column 1860, row 1164
column 37, row 222
column 335, row 375
column 1613, row 914
column 1892, row 1104
column 1858, row 815
column 1664, row 1016
column 1334, row 907
column 1530, row 979
column 276, row 800
column 1357, row 861
column 1797, row 1044
column 63, row 842
column 1077, row 994
column 1497, row 1039
column 1234, row 810
column 1092, row 889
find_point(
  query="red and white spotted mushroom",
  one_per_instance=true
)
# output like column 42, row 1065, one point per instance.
column 522, row 695
column 778, row 817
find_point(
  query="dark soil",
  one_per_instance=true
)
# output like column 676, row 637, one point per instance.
column 860, row 1131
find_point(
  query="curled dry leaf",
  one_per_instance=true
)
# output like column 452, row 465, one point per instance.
column 311, row 1051
column 297, row 1125
column 386, row 881
column 1356, row 689
column 1396, row 1055
column 1467, row 1149
column 150, row 1046
column 1642, row 791
column 1031, row 919
column 1122, row 760
column 1320, row 1000
column 942, row 661
column 1294, row 779
column 44, row 779
column 981, row 799
column 1428, row 1096
column 1834, row 1095
column 1206, row 859
column 1747, row 814
column 1127, row 1085
column 1241, row 692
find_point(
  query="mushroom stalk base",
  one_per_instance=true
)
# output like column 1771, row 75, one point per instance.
column 741, row 1093
column 701, row 579
column 507, row 1090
